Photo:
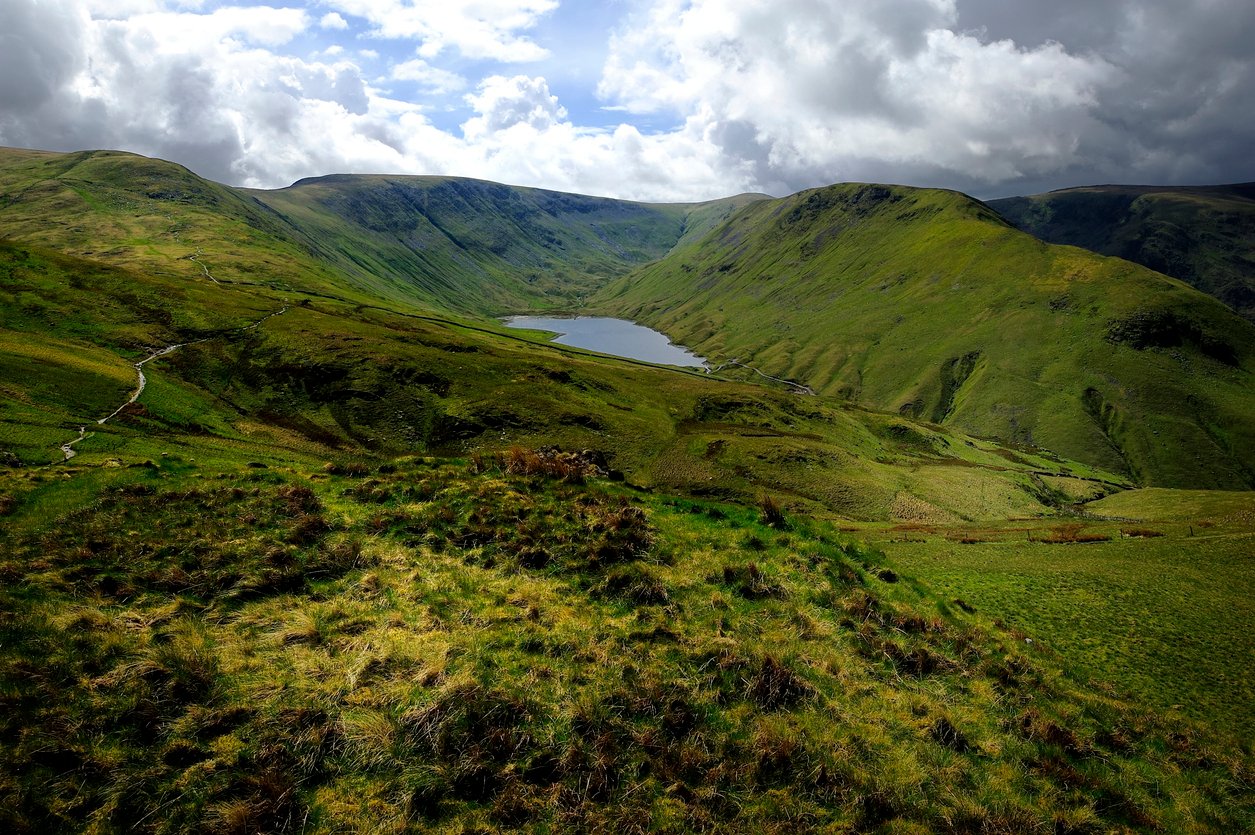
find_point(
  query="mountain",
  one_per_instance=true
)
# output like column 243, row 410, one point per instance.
column 1203, row 235
column 474, row 246
column 928, row 303
column 289, row 544
column 436, row 243
column 919, row 302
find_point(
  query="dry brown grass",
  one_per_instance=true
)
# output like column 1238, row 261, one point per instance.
column 1071, row 533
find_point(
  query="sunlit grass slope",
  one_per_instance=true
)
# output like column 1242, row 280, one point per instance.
column 927, row 303
column 432, row 242
column 147, row 214
column 1201, row 235
column 333, row 375
column 1149, row 590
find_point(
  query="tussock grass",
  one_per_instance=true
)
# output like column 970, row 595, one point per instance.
column 427, row 674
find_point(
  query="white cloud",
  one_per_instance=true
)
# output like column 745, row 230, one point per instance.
column 203, row 89
column 333, row 20
column 504, row 103
column 189, row 32
column 488, row 29
column 753, row 95
column 212, row 91
column 521, row 135
column 807, row 91
column 432, row 79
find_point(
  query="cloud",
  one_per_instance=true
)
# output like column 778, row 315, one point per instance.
column 503, row 103
column 189, row 31
column 432, row 79
column 214, row 91
column 808, row 97
column 38, row 54
column 478, row 29
column 203, row 89
column 521, row 134
column 333, row 20
column 739, row 95
column 960, row 93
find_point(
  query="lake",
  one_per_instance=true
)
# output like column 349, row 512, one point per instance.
column 617, row 337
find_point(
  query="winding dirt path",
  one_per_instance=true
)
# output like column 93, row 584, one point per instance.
column 194, row 257
column 203, row 268
column 797, row 387
column 68, row 447
column 143, row 381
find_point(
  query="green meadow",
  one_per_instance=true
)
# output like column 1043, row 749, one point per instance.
column 1149, row 592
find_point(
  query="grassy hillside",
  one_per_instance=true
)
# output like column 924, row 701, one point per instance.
column 426, row 644
column 1204, row 236
column 435, row 243
column 1148, row 590
column 352, row 563
column 926, row 302
column 146, row 214
column 330, row 374
column 476, row 246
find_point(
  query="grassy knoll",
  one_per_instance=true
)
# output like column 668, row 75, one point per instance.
column 1150, row 592
column 1200, row 235
column 151, row 216
column 928, row 303
column 499, row 644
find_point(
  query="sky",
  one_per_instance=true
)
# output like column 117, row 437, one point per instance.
column 661, row 100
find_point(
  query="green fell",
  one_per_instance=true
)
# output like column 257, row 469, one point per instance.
column 435, row 243
column 928, row 303
column 1199, row 234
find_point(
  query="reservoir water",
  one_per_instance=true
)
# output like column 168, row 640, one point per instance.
column 617, row 337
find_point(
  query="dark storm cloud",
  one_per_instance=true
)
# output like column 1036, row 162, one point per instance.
column 1183, row 107
column 40, row 51
column 989, row 96
column 1080, row 24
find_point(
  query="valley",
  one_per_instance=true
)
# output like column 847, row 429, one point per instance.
column 955, row 535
